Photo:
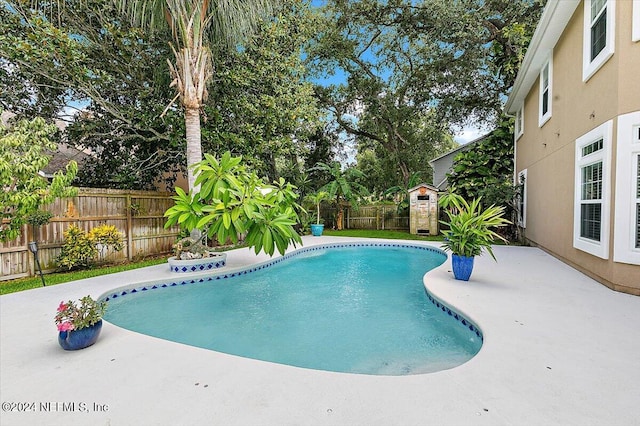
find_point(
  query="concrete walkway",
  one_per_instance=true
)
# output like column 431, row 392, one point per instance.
column 559, row 349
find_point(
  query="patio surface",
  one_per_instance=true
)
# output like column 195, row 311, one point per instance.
column 559, row 349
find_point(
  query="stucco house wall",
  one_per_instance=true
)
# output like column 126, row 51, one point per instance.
column 546, row 152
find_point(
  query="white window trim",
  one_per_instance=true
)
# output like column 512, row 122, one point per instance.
column 635, row 33
column 590, row 67
column 519, row 122
column 624, row 250
column 544, row 118
column 604, row 132
column 522, row 216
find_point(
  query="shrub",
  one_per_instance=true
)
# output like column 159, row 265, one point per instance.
column 106, row 237
column 78, row 250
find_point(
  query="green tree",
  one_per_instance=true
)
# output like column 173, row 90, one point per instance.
column 197, row 27
column 414, row 67
column 83, row 53
column 23, row 154
column 343, row 186
column 486, row 171
column 261, row 104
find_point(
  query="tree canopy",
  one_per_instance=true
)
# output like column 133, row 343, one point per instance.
column 415, row 70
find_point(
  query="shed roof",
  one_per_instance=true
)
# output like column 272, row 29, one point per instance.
column 424, row 185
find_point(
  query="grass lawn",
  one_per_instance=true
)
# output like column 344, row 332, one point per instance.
column 391, row 235
column 21, row 284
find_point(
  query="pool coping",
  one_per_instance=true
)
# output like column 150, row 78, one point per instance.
column 559, row 348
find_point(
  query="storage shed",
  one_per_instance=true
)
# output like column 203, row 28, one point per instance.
column 423, row 210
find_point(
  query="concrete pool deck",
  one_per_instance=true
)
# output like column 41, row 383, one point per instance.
column 559, row 349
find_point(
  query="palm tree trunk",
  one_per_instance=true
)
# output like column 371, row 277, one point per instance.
column 194, row 148
column 339, row 217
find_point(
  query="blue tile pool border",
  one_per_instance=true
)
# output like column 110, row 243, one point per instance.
column 183, row 280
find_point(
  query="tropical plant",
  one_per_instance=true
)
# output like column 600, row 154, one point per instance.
column 196, row 26
column 106, row 237
column 343, row 186
column 403, row 192
column 77, row 250
column 76, row 315
column 470, row 226
column 233, row 201
column 81, row 248
column 317, row 198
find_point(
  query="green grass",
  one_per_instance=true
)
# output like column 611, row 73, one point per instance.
column 22, row 284
column 391, row 235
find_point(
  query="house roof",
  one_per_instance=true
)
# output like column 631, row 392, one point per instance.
column 61, row 157
column 460, row 148
column 554, row 19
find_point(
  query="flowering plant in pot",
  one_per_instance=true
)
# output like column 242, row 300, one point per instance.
column 79, row 322
column 470, row 231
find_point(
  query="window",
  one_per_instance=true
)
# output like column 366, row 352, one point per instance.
column 599, row 27
column 522, row 199
column 546, row 83
column 627, row 215
column 519, row 130
column 592, row 189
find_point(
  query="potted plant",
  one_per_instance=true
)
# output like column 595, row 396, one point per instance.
column 317, row 198
column 470, row 231
column 79, row 322
column 193, row 255
column 233, row 202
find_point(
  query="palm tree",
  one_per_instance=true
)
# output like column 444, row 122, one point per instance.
column 343, row 186
column 196, row 26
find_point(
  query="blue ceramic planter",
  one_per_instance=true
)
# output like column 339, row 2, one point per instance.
column 316, row 229
column 79, row 339
column 462, row 267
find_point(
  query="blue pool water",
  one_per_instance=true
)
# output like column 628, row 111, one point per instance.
column 349, row 309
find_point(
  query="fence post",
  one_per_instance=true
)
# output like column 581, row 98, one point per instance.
column 129, row 228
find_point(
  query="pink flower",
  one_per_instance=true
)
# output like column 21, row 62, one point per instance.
column 65, row 326
column 62, row 307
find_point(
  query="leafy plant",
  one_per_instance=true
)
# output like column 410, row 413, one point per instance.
column 22, row 155
column 343, row 186
column 39, row 218
column 106, row 237
column 233, row 201
column 78, row 250
column 316, row 199
column 78, row 315
column 470, row 227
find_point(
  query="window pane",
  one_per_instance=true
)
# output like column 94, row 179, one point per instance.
column 599, row 35
column 545, row 102
column 592, row 182
column 545, row 76
column 596, row 7
column 591, row 148
column 590, row 217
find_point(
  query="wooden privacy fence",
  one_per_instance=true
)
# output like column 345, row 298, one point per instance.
column 368, row 217
column 138, row 215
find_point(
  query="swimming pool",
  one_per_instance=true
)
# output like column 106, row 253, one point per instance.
column 357, row 308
